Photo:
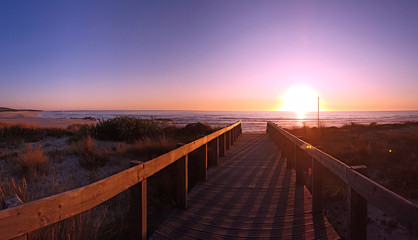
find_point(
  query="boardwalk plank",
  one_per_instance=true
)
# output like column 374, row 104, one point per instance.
column 250, row 195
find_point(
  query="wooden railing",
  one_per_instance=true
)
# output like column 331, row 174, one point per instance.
column 20, row 220
column 360, row 189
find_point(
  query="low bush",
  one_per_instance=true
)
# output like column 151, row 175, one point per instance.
column 128, row 129
column 89, row 156
column 33, row 160
column 150, row 148
column 193, row 131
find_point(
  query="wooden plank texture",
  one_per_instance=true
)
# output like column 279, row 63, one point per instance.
column 251, row 195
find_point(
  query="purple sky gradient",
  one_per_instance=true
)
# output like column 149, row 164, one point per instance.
column 207, row 55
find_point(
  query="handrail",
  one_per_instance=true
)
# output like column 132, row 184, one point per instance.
column 405, row 211
column 19, row 220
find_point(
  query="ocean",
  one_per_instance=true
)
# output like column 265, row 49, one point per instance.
column 252, row 121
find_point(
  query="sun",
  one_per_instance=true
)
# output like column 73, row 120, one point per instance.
column 300, row 99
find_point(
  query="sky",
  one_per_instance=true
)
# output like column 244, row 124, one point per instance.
column 207, row 55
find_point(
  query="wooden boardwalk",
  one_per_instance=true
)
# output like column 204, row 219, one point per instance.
column 250, row 195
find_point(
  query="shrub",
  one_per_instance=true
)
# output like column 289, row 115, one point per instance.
column 89, row 156
column 33, row 160
column 151, row 148
column 124, row 128
column 193, row 131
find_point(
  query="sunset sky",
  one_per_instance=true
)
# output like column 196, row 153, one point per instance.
column 207, row 55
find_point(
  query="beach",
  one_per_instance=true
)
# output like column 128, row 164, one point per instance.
column 31, row 118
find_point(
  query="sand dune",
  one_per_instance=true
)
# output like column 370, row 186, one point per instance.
column 30, row 117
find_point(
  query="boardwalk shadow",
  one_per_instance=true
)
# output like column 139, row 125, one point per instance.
column 252, row 194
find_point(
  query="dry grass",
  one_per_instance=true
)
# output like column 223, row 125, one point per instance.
column 87, row 225
column 8, row 187
column 84, row 226
column 150, row 148
column 388, row 149
column 33, row 160
column 18, row 132
column 108, row 220
column 90, row 156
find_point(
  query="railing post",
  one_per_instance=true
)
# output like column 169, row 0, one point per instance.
column 228, row 140
column 215, row 152
column 182, row 181
column 222, row 145
column 357, row 211
column 137, row 226
column 289, row 155
column 203, row 162
column 281, row 144
column 231, row 132
column 298, row 164
column 240, row 128
column 317, row 176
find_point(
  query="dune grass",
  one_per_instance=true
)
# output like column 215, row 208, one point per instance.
column 33, row 161
column 90, row 156
column 388, row 150
column 15, row 132
column 87, row 225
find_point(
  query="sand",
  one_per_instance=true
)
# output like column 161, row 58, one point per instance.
column 30, row 117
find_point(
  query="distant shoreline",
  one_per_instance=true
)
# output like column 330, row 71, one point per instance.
column 5, row 109
column 30, row 117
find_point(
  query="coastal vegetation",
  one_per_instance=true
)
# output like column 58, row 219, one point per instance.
column 37, row 162
column 387, row 150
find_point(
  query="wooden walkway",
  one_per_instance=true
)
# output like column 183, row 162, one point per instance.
column 250, row 195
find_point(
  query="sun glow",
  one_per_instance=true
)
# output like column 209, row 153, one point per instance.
column 300, row 99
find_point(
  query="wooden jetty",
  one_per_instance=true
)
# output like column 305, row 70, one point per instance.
column 266, row 186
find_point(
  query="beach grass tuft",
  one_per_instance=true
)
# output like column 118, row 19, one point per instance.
column 90, row 157
column 33, row 160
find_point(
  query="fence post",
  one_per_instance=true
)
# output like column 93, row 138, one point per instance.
column 299, row 164
column 228, row 140
column 240, row 128
column 222, row 145
column 137, row 226
column 357, row 210
column 281, row 144
column 317, row 175
column 231, row 132
column 182, row 181
column 13, row 201
column 203, row 162
column 215, row 152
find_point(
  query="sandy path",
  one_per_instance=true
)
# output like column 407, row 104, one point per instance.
column 31, row 118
